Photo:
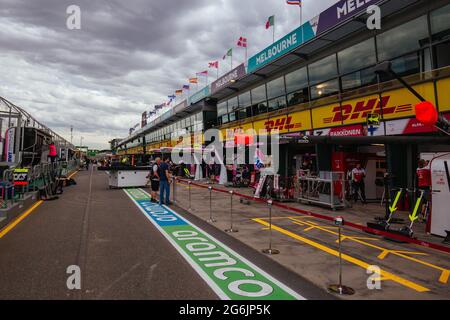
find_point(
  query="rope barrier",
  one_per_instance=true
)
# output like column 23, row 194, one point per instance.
column 359, row 227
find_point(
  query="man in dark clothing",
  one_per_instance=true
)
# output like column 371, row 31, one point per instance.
column 154, row 179
column 164, row 186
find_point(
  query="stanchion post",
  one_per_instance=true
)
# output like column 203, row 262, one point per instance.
column 211, row 218
column 231, row 229
column 189, row 187
column 270, row 250
column 340, row 288
column 174, row 193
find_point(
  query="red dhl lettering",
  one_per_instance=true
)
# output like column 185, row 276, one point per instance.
column 361, row 109
column 281, row 124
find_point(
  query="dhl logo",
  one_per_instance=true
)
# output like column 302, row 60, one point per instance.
column 280, row 124
column 362, row 109
column 230, row 133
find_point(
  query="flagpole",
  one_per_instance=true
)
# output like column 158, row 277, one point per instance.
column 273, row 33
column 231, row 60
column 246, row 48
column 301, row 21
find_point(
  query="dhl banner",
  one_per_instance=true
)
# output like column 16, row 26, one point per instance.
column 392, row 105
column 327, row 116
column 292, row 122
column 443, row 89
column 301, row 121
column 280, row 123
column 198, row 140
column 400, row 103
column 355, row 111
column 228, row 134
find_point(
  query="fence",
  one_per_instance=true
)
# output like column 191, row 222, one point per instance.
column 327, row 190
column 17, row 183
column 280, row 205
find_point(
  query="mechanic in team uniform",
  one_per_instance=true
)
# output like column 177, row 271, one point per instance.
column 358, row 184
column 423, row 173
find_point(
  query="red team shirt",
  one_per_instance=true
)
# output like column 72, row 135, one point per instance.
column 424, row 177
column 358, row 175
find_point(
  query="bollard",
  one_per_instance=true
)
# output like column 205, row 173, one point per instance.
column 270, row 250
column 339, row 288
column 174, row 193
column 189, row 187
column 231, row 229
column 211, row 218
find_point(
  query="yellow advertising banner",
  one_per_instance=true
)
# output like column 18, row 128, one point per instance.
column 299, row 121
column 392, row 105
column 401, row 103
column 228, row 134
column 356, row 110
column 287, row 123
column 327, row 116
column 198, row 140
column 443, row 91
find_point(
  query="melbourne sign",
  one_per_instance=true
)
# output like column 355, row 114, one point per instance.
column 281, row 47
column 227, row 78
column 199, row 95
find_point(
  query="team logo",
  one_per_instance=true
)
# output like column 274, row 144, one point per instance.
column 280, row 124
column 362, row 109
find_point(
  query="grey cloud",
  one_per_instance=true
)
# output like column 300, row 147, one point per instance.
column 127, row 56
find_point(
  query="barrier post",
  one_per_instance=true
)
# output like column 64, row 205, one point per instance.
column 189, row 187
column 174, row 193
column 211, row 218
column 231, row 229
column 270, row 250
column 339, row 288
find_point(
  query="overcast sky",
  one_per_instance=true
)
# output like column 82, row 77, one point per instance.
column 127, row 56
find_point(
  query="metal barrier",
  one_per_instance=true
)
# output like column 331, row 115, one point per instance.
column 43, row 176
column 327, row 190
column 352, row 225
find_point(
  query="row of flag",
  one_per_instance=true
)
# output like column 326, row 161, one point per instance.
column 242, row 43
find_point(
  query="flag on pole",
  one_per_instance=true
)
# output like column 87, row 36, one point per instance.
column 172, row 96
column 203, row 73
column 214, row 64
column 242, row 42
column 270, row 22
column 178, row 92
column 193, row 80
column 186, row 87
column 228, row 54
column 294, row 2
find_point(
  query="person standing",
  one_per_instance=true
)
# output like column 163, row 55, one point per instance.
column 359, row 187
column 154, row 179
column 164, row 186
column 423, row 173
column 52, row 154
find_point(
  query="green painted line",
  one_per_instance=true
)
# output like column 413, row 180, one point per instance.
column 228, row 274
